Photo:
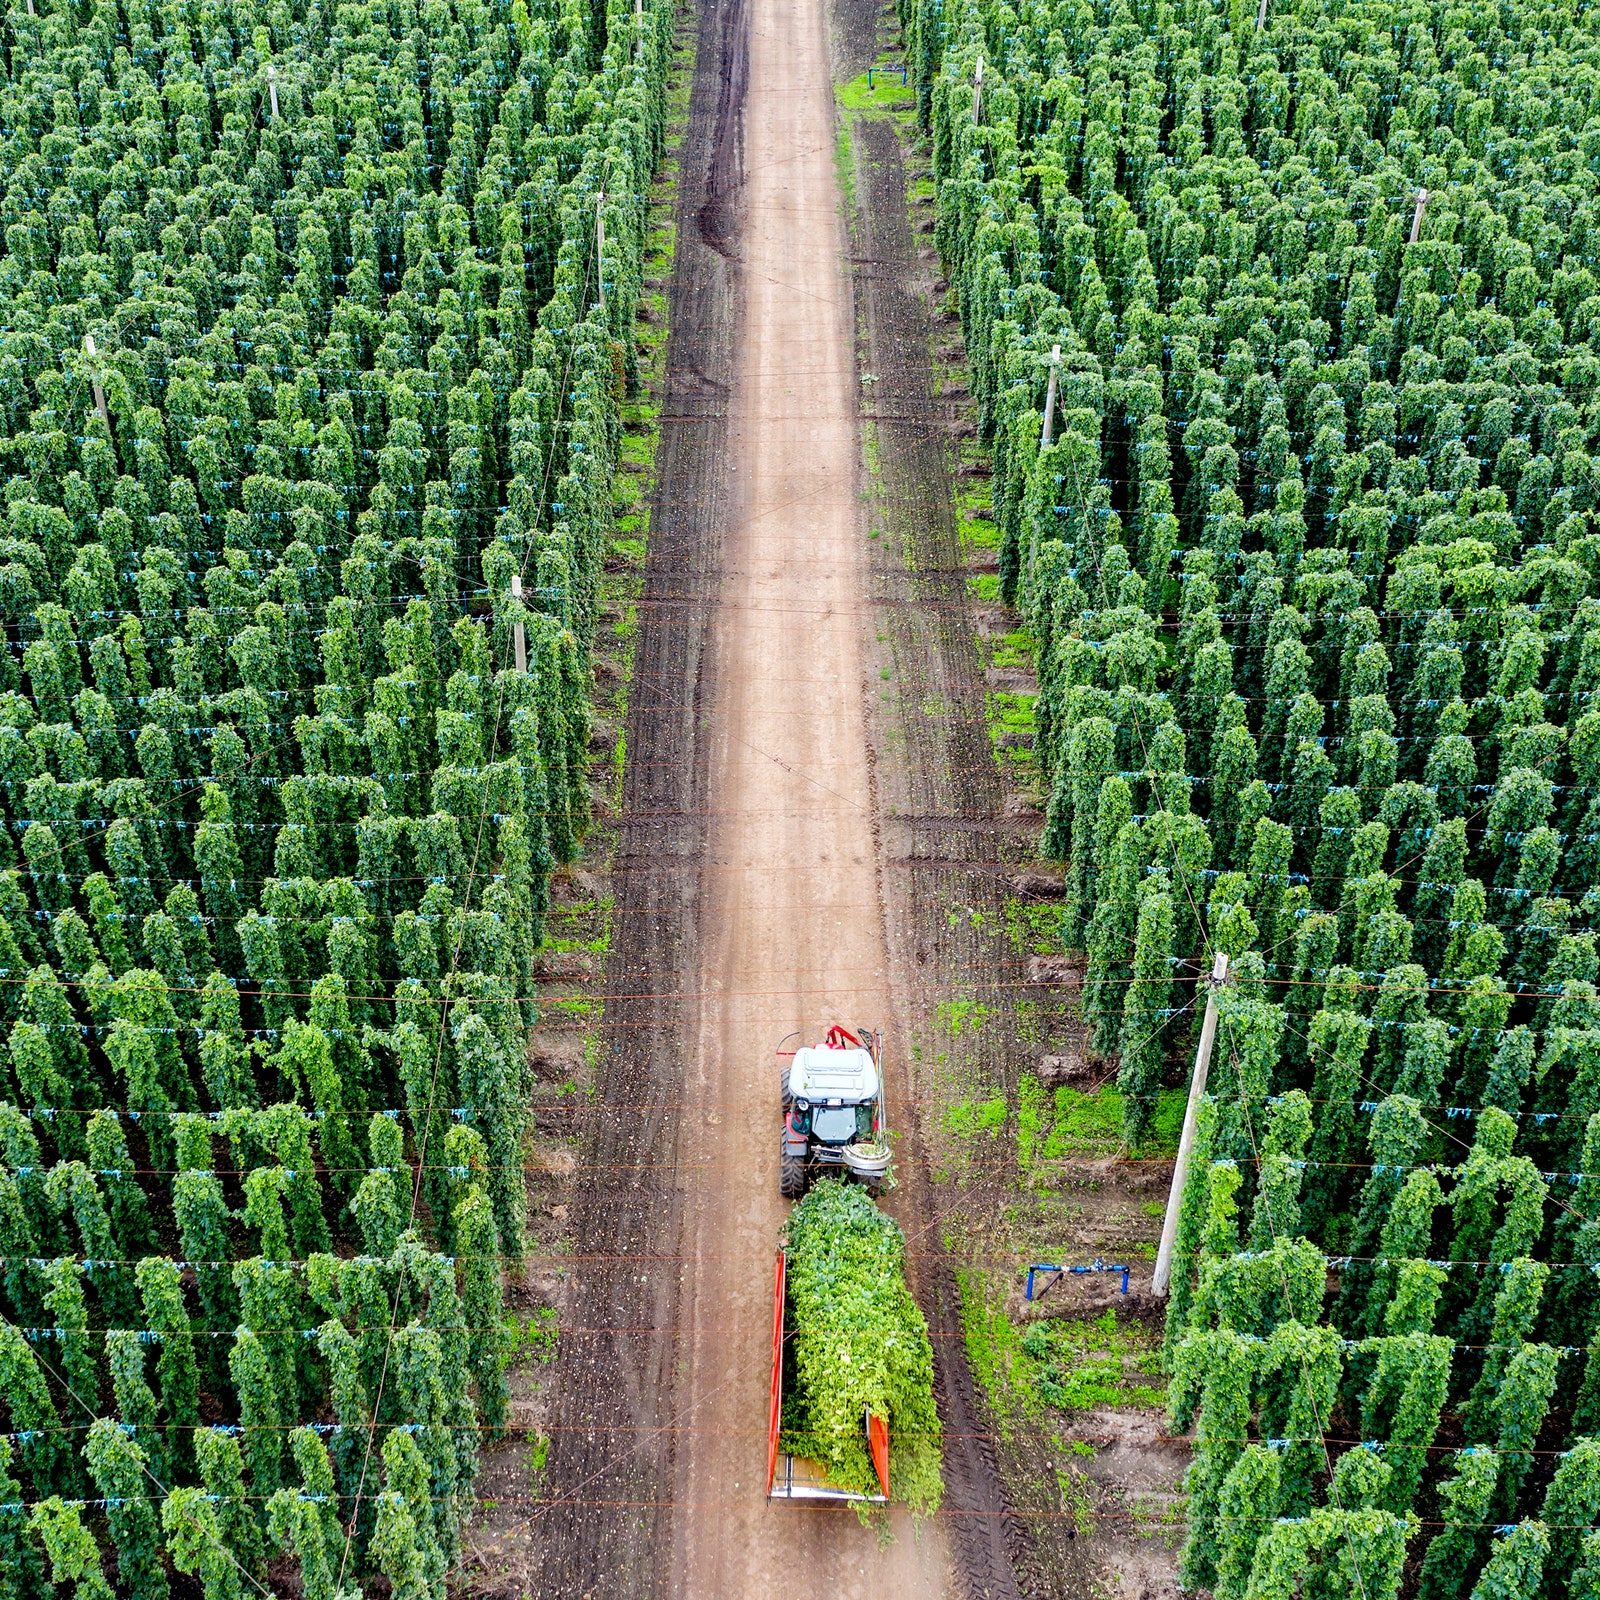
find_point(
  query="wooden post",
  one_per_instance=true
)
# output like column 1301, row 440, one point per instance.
column 600, row 245
column 1416, row 216
column 519, row 638
column 1050, row 398
column 94, row 378
column 272, row 88
column 1197, row 1087
column 977, row 93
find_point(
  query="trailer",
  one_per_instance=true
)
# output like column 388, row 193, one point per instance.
column 792, row 1477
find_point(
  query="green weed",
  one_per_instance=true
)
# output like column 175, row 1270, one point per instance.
column 995, row 1352
column 1090, row 1125
column 885, row 94
column 1033, row 927
column 1014, row 650
column 962, row 1016
column 1033, row 1108
column 967, row 1118
column 572, row 1005
column 981, row 534
column 1078, row 1366
column 1075, row 1496
column 844, row 162
column 537, row 1338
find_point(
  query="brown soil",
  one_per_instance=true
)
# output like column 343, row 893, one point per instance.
column 943, row 832
column 791, row 936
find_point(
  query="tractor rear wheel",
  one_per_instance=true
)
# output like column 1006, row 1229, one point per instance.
column 791, row 1169
column 791, row 1176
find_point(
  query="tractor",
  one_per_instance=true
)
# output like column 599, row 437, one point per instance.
column 833, row 1118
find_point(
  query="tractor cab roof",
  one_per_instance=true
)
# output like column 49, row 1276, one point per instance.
column 820, row 1075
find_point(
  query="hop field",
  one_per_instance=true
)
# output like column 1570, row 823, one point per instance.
column 309, row 346
column 1308, row 552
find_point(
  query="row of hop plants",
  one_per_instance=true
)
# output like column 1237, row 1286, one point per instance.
column 1429, row 1273
column 310, row 345
column 383, row 1488
column 1431, row 1397
column 1309, row 560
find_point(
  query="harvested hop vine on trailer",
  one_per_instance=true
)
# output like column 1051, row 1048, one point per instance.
column 861, row 1347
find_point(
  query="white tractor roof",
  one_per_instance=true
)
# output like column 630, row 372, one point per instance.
column 819, row 1075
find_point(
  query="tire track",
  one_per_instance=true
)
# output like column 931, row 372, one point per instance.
column 600, row 1551
column 945, row 841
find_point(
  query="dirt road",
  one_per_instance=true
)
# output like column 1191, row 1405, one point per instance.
column 791, row 934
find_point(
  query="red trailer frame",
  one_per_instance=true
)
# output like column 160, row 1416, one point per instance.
column 775, row 1413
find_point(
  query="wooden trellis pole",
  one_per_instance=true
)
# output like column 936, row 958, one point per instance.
column 519, row 637
column 94, row 378
column 1162, row 1280
column 1416, row 216
column 1050, row 398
